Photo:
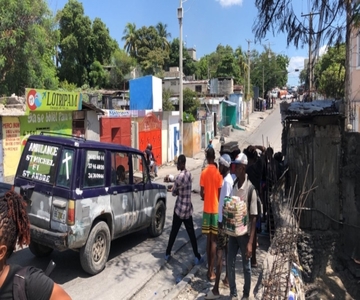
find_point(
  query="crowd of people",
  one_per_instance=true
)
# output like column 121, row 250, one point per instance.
column 250, row 175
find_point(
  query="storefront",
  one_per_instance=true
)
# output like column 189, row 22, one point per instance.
column 45, row 111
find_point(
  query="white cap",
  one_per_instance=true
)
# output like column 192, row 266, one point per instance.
column 241, row 158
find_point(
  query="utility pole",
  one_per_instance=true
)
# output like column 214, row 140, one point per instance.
column 263, row 87
column 181, row 104
column 248, row 84
column 310, row 64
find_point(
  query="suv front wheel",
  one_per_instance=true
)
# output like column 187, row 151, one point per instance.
column 158, row 221
column 94, row 254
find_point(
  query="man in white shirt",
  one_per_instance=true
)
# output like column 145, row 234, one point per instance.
column 222, row 238
column 243, row 242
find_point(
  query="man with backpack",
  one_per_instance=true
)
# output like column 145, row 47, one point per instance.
column 246, row 192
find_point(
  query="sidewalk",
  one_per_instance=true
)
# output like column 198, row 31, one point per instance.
column 195, row 284
column 193, row 163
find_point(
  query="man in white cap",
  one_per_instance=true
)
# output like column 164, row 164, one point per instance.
column 222, row 238
column 245, row 191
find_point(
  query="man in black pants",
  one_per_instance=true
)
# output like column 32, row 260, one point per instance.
column 183, row 210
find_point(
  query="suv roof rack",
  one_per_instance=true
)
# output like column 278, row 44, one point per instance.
column 63, row 134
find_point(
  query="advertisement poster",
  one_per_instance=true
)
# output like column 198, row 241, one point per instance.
column 11, row 144
column 45, row 100
column 16, row 131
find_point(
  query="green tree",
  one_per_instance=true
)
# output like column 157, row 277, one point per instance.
column 164, row 35
column 97, row 77
column 27, row 46
column 82, row 43
column 336, row 22
column 75, row 42
column 242, row 62
column 102, row 45
column 189, row 66
column 150, row 53
column 130, row 38
column 121, row 65
column 330, row 72
column 191, row 102
column 167, row 104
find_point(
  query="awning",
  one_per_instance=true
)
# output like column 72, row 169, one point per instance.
column 229, row 103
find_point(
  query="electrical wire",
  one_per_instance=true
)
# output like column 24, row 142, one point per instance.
column 326, row 215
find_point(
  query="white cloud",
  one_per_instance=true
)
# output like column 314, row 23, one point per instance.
column 323, row 50
column 227, row 3
column 296, row 62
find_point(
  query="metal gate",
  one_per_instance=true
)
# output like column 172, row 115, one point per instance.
column 150, row 132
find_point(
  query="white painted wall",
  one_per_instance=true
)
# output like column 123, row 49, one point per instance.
column 92, row 126
column 164, row 140
column 157, row 93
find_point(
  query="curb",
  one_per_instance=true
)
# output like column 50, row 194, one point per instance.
column 190, row 276
column 184, row 281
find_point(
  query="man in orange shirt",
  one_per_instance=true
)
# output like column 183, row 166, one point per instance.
column 210, row 183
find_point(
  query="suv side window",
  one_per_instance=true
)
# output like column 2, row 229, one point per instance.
column 140, row 172
column 119, row 168
column 94, row 173
column 65, row 168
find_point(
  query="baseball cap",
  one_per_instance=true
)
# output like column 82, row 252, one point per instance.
column 225, row 160
column 241, row 158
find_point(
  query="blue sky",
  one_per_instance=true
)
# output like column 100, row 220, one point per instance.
column 206, row 23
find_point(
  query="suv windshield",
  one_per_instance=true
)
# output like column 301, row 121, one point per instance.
column 38, row 162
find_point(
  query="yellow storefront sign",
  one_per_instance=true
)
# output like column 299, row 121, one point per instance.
column 46, row 100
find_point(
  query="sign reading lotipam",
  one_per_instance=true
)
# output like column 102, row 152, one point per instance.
column 46, row 100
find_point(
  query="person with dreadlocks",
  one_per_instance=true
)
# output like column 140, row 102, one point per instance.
column 15, row 229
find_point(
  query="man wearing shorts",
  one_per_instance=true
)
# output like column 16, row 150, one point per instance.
column 210, row 183
column 226, row 191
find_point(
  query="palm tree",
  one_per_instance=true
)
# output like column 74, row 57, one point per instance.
column 130, row 37
column 241, row 58
column 163, row 35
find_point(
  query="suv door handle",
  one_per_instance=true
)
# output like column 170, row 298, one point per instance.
column 114, row 192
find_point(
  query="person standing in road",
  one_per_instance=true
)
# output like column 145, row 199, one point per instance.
column 244, row 242
column 254, row 170
column 15, row 230
column 222, row 238
column 210, row 184
column 183, row 209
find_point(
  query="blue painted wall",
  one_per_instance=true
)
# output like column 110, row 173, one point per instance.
column 141, row 94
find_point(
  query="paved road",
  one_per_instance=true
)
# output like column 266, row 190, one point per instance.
column 134, row 260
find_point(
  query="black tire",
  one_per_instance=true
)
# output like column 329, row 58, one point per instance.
column 39, row 250
column 94, row 254
column 158, row 221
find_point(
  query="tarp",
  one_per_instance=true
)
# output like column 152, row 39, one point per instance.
column 229, row 103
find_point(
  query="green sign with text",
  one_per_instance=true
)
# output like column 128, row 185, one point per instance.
column 45, row 100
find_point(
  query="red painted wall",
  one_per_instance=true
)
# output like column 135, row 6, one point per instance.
column 116, row 130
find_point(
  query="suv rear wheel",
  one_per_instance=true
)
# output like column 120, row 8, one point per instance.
column 39, row 250
column 158, row 221
column 94, row 254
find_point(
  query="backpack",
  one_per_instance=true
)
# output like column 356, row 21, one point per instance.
column 258, row 201
column 19, row 281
